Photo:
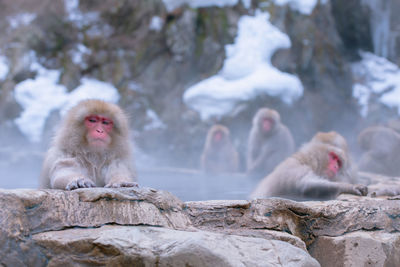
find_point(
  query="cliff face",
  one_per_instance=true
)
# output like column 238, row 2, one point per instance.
column 146, row 227
column 152, row 53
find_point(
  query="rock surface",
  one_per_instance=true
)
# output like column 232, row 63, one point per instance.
column 150, row 246
column 28, row 212
column 361, row 248
column 102, row 226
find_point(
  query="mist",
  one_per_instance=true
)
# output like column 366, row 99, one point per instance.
column 179, row 68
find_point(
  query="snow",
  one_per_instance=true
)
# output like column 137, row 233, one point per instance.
column 376, row 75
column 174, row 4
column 75, row 15
column 155, row 122
column 247, row 71
column 3, row 67
column 78, row 53
column 303, row 6
column 21, row 19
column 41, row 95
column 89, row 89
column 156, row 24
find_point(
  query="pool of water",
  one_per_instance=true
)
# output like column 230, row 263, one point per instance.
column 186, row 184
column 192, row 185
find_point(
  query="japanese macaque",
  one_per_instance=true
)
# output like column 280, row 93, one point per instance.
column 219, row 154
column 381, row 146
column 270, row 142
column 321, row 169
column 91, row 148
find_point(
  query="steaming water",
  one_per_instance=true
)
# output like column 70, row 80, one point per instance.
column 195, row 185
column 24, row 175
column 187, row 185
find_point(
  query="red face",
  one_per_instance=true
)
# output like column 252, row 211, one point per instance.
column 266, row 125
column 334, row 165
column 217, row 136
column 98, row 131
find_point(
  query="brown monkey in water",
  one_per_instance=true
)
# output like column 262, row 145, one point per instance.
column 381, row 146
column 270, row 142
column 91, row 148
column 219, row 154
column 321, row 169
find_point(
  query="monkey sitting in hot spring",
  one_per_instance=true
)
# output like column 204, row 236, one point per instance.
column 91, row 148
column 321, row 169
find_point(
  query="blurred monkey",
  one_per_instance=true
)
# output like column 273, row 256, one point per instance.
column 270, row 142
column 381, row 146
column 219, row 154
column 321, row 169
column 91, row 148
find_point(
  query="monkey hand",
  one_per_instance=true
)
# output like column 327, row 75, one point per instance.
column 360, row 190
column 80, row 183
column 121, row 184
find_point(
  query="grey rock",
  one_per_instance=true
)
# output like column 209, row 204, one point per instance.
column 306, row 220
column 359, row 248
column 100, row 226
column 150, row 246
column 34, row 211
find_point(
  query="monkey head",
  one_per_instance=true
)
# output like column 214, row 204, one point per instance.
column 218, row 134
column 95, row 125
column 266, row 120
column 331, row 138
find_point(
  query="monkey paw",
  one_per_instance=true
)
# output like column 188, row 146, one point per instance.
column 80, row 183
column 360, row 190
column 121, row 184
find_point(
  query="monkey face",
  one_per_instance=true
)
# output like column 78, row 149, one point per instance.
column 218, row 135
column 266, row 125
column 99, row 130
column 334, row 165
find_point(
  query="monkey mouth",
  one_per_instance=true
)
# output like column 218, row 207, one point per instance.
column 98, row 142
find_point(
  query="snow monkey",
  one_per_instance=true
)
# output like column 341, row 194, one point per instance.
column 219, row 154
column 321, row 169
column 270, row 142
column 91, row 148
column 381, row 146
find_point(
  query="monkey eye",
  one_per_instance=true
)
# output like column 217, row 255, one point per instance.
column 336, row 158
column 106, row 122
column 92, row 119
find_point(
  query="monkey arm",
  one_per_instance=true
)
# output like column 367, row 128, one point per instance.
column 265, row 161
column 67, row 171
column 313, row 186
column 120, row 173
column 253, row 149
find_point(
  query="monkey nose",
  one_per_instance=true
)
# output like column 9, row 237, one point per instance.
column 99, row 130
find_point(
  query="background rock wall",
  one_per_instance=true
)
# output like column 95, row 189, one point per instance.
column 152, row 55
